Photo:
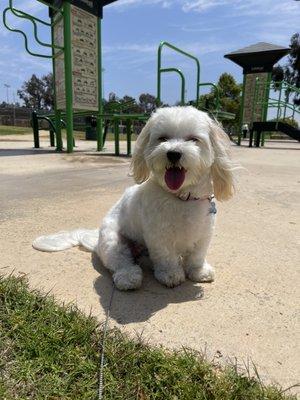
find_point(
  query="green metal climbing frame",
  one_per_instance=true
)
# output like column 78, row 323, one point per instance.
column 216, row 112
column 263, row 102
column 59, row 14
column 161, row 70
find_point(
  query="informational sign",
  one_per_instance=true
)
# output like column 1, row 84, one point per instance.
column 59, row 65
column 84, row 59
column 84, row 44
column 251, row 115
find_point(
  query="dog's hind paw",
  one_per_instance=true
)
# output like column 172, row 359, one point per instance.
column 129, row 278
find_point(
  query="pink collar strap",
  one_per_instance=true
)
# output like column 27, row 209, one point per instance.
column 191, row 198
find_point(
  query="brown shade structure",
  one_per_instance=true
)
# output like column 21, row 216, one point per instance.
column 259, row 57
column 93, row 6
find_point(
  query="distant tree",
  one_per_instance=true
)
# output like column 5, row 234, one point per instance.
column 4, row 104
column 147, row 102
column 229, row 96
column 48, row 97
column 290, row 72
column 112, row 97
column 37, row 92
column 10, row 105
column 228, row 87
column 278, row 73
column 293, row 66
column 292, row 69
column 130, row 105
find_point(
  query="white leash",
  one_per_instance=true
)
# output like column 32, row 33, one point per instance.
column 102, row 346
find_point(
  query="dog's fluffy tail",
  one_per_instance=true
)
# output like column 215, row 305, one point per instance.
column 65, row 240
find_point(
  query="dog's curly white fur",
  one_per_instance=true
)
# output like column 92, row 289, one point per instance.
column 175, row 232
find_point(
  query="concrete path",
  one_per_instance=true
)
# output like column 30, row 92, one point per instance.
column 249, row 312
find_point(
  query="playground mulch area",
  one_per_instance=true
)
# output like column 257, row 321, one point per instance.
column 249, row 314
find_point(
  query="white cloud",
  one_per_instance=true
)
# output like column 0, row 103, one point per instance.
column 232, row 8
column 244, row 7
column 166, row 4
column 121, row 4
column 236, row 8
column 130, row 47
column 202, row 5
column 29, row 6
column 266, row 7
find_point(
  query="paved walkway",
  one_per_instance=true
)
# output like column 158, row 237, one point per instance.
column 249, row 312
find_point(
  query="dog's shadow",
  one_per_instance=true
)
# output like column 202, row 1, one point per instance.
column 140, row 305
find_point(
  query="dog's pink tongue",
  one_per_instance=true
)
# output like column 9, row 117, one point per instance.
column 174, row 177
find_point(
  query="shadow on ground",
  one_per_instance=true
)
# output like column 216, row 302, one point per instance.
column 25, row 152
column 140, row 305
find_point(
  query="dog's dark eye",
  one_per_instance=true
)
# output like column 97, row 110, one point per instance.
column 162, row 139
column 193, row 139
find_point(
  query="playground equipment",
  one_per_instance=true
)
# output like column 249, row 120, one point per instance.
column 112, row 116
column 115, row 114
column 75, row 46
column 285, row 110
column 216, row 112
column 75, row 51
column 257, row 62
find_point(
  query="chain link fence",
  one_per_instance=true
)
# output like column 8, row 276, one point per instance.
column 15, row 116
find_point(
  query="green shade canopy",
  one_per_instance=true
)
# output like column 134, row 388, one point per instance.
column 259, row 57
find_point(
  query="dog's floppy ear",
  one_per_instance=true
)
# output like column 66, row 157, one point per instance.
column 222, row 167
column 139, row 167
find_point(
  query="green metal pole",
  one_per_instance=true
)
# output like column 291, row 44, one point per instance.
column 198, row 83
column 35, row 128
column 52, row 138
column 99, row 128
column 242, row 111
column 68, row 75
column 128, row 134
column 179, row 72
column 159, row 69
column 286, row 102
column 117, row 136
column 266, row 105
column 59, row 144
column 159, row 76
column 254, row 107
column 279, row 105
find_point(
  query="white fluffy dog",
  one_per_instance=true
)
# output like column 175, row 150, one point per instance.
column 181, row 159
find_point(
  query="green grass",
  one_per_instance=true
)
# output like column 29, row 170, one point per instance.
column 14, row 130
column 51, row 352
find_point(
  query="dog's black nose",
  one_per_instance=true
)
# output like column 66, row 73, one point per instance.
column 173, row 156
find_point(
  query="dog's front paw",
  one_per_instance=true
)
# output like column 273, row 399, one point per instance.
column 129, row 278
column 206, row 273
column 169, row 277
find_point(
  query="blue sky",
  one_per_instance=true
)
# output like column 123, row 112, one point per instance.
column 132, row 30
